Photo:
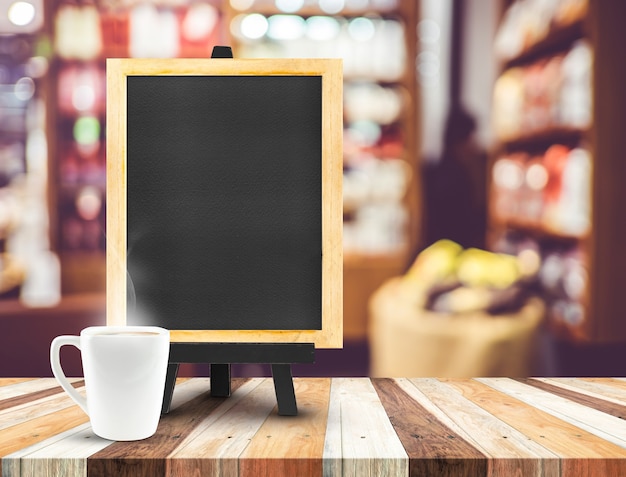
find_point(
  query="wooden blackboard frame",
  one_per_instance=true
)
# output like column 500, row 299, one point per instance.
column 330, row 70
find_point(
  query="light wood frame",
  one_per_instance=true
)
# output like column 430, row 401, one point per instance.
column 118, row 69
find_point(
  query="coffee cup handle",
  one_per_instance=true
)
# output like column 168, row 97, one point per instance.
column 57, row 370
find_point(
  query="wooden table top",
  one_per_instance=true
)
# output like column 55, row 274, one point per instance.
column 345, row 426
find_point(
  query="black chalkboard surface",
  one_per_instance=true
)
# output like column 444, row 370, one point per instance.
column 224, row 201
column 224, row 198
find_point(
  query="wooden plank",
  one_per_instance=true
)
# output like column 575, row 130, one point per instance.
column 615, row 383
column 510, row 451
column 581, row 452
column 30, row 386
column 11, row 381
column 214, row 446
column 434, row 444
column 291, row 445
column 12, row 463
column 78, row 443
column 598, row 423
column 66, row 457
column 191, row 402
column 38, row 429
column 27, row 410
column 369, row 443
column 26, row 399
column 332, row 455
column 596, row 390
column 602, row 405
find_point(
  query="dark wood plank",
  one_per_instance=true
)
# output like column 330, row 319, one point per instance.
column 432, row 447
column 608, row 407
column 147, row 457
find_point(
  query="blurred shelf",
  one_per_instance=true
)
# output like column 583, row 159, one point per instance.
column 535, row 229
column 392, row 260
column 601, row 301
column 312, row 10
column 83, row 272
column 544, row 138
column 558, row 39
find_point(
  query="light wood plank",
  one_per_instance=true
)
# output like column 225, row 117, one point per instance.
column 332, row 454
column 602, row 425
column 581, row 452
column 188, row 389
column 30, row 386
column 512, row 452
column 12, row 463
column 33, row 409
column 39, row 429
column 291, row 445
column 369, row 444
column 11, row 381
column 116, row 219
column 216, row 443
column 613, row 383
column 594, row 389
column 65, row 457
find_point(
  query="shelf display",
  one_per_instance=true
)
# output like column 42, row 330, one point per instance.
column 549, row 191
column 83, row 35
column 554, row 171
column 16, row 90
column 530, row 25
column 81, row 155
column 28, row 269
column 371, row 38
column 551, row 93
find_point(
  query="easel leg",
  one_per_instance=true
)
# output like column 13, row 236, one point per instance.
column 220, row 380
column 285, row 394
column 170, row 382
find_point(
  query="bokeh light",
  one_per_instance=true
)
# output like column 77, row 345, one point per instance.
column 286, row 27
column 289, row 6
column 332, row 6
column 254, row 26
column 21, row 13
column 322, row 28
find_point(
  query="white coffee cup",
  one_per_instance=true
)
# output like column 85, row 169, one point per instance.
column 124, row 369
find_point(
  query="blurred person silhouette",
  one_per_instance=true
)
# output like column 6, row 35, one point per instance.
column 455, row 185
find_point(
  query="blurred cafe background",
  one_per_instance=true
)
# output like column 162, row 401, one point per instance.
column 484, row 167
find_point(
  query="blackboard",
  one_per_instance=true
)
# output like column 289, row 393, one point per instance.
column 224, row 198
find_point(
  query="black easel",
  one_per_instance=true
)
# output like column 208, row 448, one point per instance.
column 221, row 355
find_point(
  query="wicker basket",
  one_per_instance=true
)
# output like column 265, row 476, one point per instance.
column 408, row 341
